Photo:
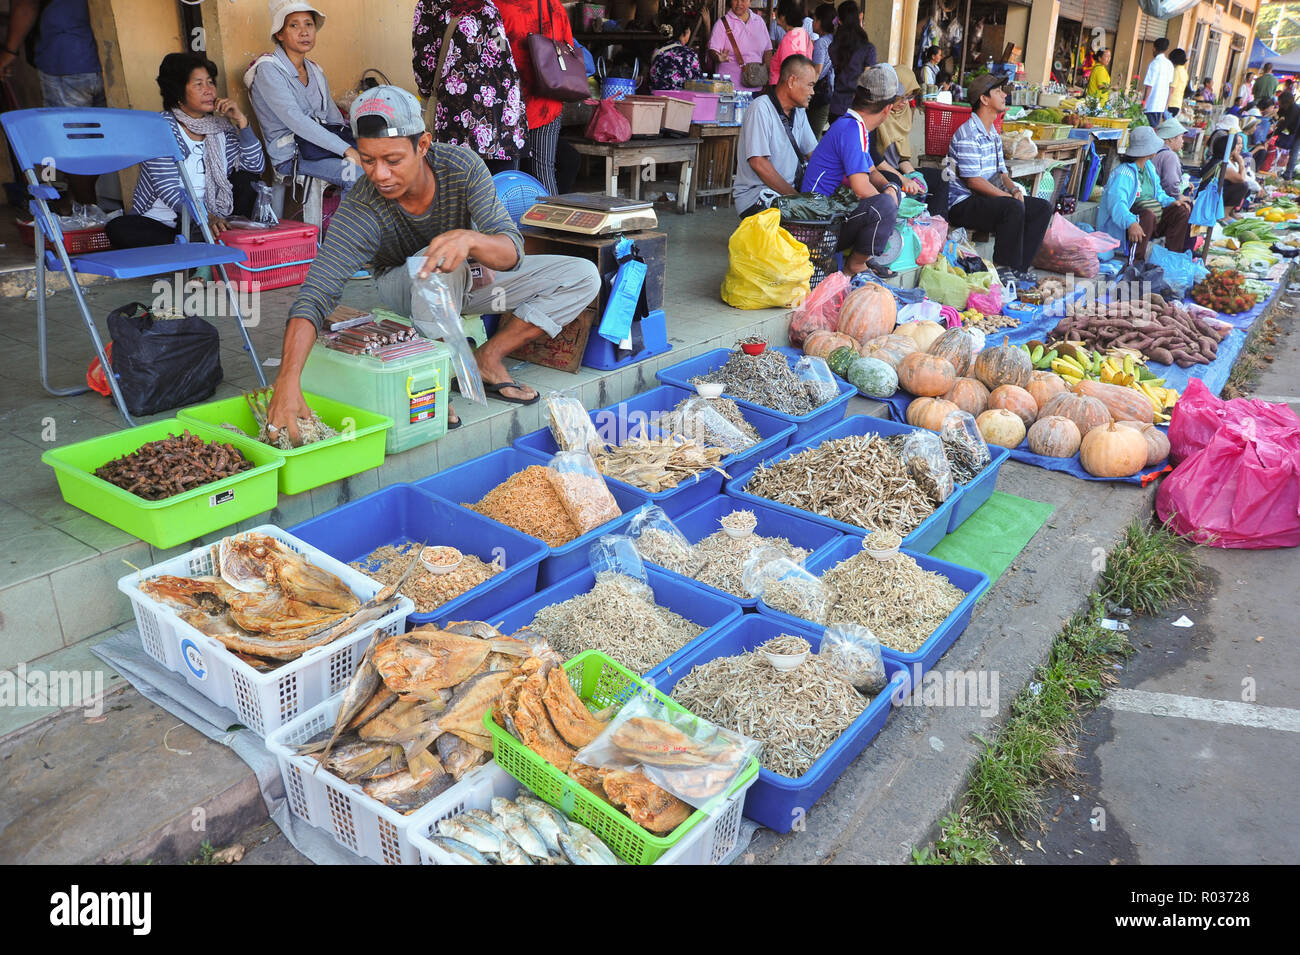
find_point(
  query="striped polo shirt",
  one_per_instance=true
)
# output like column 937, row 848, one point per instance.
column 975, row 152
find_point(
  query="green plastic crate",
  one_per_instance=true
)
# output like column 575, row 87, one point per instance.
column 601, row 682
column 174, row 520
column 412, row 391
column 359, row 446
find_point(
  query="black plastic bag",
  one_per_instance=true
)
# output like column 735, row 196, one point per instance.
column 163, row 364
column 1144, row 275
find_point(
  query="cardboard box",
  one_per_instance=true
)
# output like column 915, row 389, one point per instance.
column 564, row 351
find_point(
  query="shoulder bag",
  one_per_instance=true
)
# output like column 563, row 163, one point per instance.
column 751, row 74
column 431, row 106
column 559, row 72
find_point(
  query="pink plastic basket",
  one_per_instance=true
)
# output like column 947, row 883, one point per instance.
column 706, row 104
column 274, row 258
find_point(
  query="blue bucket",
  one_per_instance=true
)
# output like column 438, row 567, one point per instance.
column 615, row 87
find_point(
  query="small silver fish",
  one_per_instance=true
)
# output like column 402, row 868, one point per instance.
column 471, row 832
column 517, row 825
column 547, row 820
column 583, row 847
column 511, row 854
column 457, row 848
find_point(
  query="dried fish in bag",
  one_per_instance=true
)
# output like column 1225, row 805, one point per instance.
column 699, row 421
column 854, row 653
column 818, row 379
column 783, row 584
column 967, row 451
column 570, row 424
column 582, row 490
column 615, row 554
column 926, row 462
column 657, row 539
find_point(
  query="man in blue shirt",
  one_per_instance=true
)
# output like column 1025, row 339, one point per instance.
column 844, row 157
column 981, row 195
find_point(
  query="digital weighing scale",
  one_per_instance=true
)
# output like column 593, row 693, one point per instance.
column 590, row 214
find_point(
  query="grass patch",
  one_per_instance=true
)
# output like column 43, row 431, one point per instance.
column 1261, row 341
column 962, row 843
column 1151, row 568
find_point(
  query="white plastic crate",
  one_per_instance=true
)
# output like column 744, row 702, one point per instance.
column 707, row 844
column 261, row 701
column 357, row 821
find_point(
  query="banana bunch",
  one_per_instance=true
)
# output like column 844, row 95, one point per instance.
column 1079, row 365
column 1126, row 370
column 1039, row 356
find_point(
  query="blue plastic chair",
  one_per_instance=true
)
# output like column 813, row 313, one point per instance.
column 93, row 142
column 517, row 192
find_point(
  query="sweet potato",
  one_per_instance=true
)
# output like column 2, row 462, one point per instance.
column 1162, row 355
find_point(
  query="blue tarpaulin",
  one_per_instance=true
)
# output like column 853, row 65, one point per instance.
column 1260, row 54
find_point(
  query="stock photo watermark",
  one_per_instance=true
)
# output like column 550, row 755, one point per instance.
column 83, row 689
column 179, row 296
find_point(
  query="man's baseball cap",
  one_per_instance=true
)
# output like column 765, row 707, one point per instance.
column 386, row 111
column 880, row 83
column 983, row 84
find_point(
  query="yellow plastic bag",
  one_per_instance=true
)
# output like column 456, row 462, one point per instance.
column 768, row 268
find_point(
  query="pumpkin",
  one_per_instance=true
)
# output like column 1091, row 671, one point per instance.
column 924, row 374
column 872, row 377
column 929, row 413
column 1157, row 441
column 969, row 394
column 1003, row 364
column 1045, row 384
column 923, row 332
column 1001, row 427
column 1016, row 400
column 958, row 346
column 1124, row 404
column 1087, row 413
column 822, row 342
column 891, row 349
column 1053, row 436
column 1111, row 452
column 839, row 360
column 868, row 312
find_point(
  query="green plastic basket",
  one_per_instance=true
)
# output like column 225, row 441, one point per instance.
column 359, row 446
column 174, row 520
column 601, row 683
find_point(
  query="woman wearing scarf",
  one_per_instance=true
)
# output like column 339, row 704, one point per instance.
column 222, row 157
column 1225, row 150
column 891, row 141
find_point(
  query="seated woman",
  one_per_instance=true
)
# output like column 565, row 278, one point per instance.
column 674, row 64
column 222, row 157
column 891, row 143
column 305, row 132
column 1134, row 206
column 1225, row 158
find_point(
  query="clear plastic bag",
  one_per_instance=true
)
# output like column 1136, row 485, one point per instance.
column 658, row 540
column 263, row 211
column 570, row 424
column 963, row 445
column 927, row 464
column 700, row 421
column 854, row 652
column 617, row 554
column 582, row 490
column 683, row 755
column 436, row 314
column 784, row 585
column 817, row 379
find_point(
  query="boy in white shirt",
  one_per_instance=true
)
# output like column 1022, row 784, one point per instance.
column 1160, row 74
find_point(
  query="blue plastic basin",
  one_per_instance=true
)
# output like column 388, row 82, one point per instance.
column 974, row 494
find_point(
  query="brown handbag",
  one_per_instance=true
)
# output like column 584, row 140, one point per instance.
column 559, row 71
column 751, row 74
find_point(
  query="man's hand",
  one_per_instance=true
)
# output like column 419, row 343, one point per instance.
column 351, row 155
column 230, row 109
column 1135, row 233
column 218, row 226
column 6, row 63
column 724, row 55
column 448, row 252
column 287, row 406
column 912, row 187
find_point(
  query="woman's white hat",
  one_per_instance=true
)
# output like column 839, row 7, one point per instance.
column 281, row 9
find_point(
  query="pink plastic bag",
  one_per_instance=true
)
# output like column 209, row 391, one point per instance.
column 1238, row 484
column 1102, row 242
column 608, row 125
column 1067, row 249
column 990, row 302
column 932, row 231
column 821, row 310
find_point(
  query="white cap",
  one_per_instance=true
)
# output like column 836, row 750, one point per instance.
column 280, row 10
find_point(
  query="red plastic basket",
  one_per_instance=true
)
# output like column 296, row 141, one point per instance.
column 274, row 258
column 78, row 241
column 941, row 121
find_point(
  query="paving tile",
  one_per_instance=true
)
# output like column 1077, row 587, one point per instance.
column 78, row 658
column 327, row 498
column 397, row 469
column 94, row 532
column 29, row 624
column 425, row 459
column 86, row 593
column 37, row 553
column 291, row 509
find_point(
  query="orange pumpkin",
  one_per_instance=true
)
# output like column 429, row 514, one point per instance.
column 1124, row 404
column 929, row 412
column 1157, row 441
column 868, row 312
column 928, row 375
column 958, row 346
column 1001, row 427
column 1004, row 364
column 1045, row 384
column 1054, row 437
column 822, row 342
column 1087, row 413
column 891, row 349
column 1112, row 452
column 923, row 332
column 1016, row 400
column 970, row 395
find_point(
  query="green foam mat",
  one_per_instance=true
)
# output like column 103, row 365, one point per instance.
column 991, row 538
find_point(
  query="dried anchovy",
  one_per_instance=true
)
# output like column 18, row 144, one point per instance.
column 657, row 464
column 681, row 421
column 859, row 480
column 529, row 503
column 667, row 551
column 766, row 380
column 796, row 714
column 882, row 540
column 738, row 520
column 966, row 459
column 797, row 598
column 897, row 600
column 724, row 559
column 615, row 618
column 936, row 487
column 429, row 591
column 786, row 644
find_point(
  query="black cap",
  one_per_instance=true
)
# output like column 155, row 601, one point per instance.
column 982, row 84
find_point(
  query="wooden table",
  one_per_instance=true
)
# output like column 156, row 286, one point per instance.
column 642, row 156
column 1069, row 152
column 717, row 170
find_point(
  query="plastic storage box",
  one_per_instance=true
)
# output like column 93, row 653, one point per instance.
column 645, row 113
column 972, row 582
column 702, row 607
column 412, row 391
column 705, row 105
column 775, row 800
column 701, row 521
column 77, row 241
column 615, row 424
column 816, row 420
column 602, row 354
column 598, row 679
column 679, row 112
column 358, row 447
column 404, row 512
column 922, row 539
column 467, row 484
column 975, row 493
column 174, row 520
column 275, row 257
column 260, row 701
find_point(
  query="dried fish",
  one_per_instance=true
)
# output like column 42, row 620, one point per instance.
column 796, row 714
column 786, row 644
column 717, row 561
column 528, row 502
column 688, row 419
column 429, row 591
column 766, row 380
column 657, row 464
column 966, row 459
column 738, row 520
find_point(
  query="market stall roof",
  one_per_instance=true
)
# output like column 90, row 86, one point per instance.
column 1260, row 54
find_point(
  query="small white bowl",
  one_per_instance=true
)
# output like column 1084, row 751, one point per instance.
column 738, row 533
column 709, row 389
column 785, row 662
column 887, row 553
column 441, row 568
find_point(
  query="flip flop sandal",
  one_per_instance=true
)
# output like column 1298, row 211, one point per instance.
column 495, row 391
